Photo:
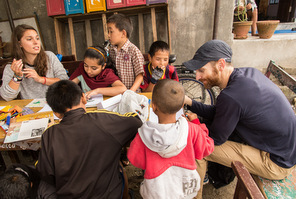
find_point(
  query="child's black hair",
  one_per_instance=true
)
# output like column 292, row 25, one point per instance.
column 98, row 53
column 168, row 95
column 122, row 22
column 158, row 45
column 63, row 95
column 16, row 181
column 14, row 185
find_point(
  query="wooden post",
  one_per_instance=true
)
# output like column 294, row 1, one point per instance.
column 105, row 28
column 153, row 21
column 169, row 28
column 141, row 33
column 72, row 38
column 88, row 34
column 57, row 27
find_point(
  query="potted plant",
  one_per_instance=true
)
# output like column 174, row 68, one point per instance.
column 241, row 26
column 266, row 28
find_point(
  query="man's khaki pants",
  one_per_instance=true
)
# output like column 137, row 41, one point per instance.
column 257, row 162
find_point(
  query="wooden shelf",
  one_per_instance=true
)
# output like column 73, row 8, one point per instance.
column 126, row 11
column 60, row 21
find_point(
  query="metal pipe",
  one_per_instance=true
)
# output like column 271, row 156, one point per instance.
column 8, row 11
column 216, row 19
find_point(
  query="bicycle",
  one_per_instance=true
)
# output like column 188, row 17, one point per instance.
column 195, row 89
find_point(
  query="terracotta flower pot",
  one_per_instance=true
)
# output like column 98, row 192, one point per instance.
column 266, row 28
column 241, row 29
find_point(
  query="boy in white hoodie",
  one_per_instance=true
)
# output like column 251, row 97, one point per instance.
column 167, row 150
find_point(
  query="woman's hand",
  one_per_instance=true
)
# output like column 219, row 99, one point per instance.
column 17, row 66
column 31, row 73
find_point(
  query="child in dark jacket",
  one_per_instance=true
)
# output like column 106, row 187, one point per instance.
column 79, row 157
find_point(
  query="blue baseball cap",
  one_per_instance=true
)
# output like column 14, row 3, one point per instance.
column 211, row 51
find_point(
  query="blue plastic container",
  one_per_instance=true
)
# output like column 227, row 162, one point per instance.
column 74, row 6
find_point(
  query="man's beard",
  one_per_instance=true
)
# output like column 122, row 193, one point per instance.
column 211, row 81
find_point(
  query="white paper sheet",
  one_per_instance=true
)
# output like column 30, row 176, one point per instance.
column 2, row 107
column 37, row 103
column 94, row 100
column 32, row 128
column 111, row 103
column 26, row 130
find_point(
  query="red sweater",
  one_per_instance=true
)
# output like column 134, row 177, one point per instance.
column 199, row 145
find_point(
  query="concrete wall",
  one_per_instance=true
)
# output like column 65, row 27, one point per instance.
column 21, row 8
column 256, row 52
column 191, row 23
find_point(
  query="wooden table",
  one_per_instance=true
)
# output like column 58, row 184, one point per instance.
column 11, row 148
column 22, row 103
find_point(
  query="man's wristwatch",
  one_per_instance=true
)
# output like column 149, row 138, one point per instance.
column 16, row 79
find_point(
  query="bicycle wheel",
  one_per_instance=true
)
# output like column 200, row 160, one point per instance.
column 195, row 89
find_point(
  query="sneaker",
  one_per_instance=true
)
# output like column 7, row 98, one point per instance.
column 206, row 179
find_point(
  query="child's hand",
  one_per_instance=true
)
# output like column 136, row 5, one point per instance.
column 190, row 116
column 156, row 75
column 91, row 93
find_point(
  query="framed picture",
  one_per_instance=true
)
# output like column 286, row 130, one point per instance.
column 5, row 30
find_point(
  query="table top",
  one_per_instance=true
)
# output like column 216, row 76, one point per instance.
column 22, row 103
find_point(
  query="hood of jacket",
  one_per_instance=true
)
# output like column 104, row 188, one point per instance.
column 167, row 140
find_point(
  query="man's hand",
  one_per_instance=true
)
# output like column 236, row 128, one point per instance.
column 187, row 101
column 156, row 75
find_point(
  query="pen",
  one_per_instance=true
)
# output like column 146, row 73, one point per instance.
column 8, row 119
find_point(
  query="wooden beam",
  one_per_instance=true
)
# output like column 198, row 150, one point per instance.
column 58, row 35
column 105, row 28
column 72, row 38
column 153, row 21
column 88, row 34
column 169, row 29
column 141, row 32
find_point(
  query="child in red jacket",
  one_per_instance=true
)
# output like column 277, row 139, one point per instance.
column 167, row 150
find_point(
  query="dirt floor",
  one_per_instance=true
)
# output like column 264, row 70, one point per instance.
column 135, row 177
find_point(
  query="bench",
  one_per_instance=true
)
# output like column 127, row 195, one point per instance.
column 252, row 186
column 285, row 78
column 246, row 187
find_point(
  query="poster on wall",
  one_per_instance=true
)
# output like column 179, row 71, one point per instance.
column 5, row 30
